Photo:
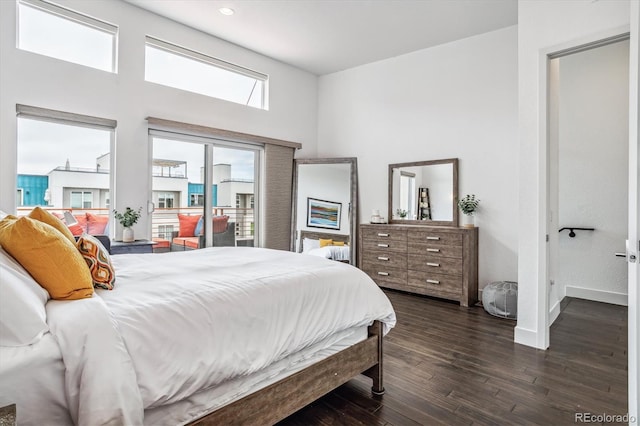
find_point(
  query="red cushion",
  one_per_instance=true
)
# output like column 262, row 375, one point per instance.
column 79, row 227
column 161, row 243
column 192, row 242
column 96, row 224
column 220, row 224
column 188, row 225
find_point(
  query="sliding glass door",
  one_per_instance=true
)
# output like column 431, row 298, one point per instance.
column 204, row 192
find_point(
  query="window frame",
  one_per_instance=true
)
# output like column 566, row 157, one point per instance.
column 164, row 196
column 76, row 17
column 199, row 200
column 72, row 119
column 209, row 143
column 184, row 52
column 82, row 193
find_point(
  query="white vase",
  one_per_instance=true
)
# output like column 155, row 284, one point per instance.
column 127, row 235
column 468, row 221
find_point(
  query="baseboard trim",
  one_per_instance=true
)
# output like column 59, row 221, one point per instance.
column 554, row 312
column 597, row 295
column 526, row 337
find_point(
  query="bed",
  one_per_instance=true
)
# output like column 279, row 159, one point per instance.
column 224, row 335
column 310, row 244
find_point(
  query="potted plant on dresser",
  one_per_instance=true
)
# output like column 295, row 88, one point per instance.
column 468, row 205
column 127, row 220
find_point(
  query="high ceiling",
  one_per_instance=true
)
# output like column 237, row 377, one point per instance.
column 325, row 36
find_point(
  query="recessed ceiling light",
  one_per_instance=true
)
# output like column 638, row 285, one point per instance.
column 227, row 11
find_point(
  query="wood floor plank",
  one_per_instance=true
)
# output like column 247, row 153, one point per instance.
column 449, row 365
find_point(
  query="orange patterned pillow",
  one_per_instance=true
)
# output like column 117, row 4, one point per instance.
column 98, row 260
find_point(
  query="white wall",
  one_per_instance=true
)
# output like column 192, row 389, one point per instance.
column 32, row 79
column 593, row 172
column 545, row 26
column 454, row 100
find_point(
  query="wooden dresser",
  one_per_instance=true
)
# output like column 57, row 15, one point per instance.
column 436, row 261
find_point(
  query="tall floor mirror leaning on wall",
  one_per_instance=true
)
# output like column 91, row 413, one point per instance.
column 325, row 208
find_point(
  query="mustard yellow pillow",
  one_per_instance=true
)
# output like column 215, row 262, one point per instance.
column 324, row 243
column 338, row 243
column 44, row 216
column 7, row 221
column 51, row 259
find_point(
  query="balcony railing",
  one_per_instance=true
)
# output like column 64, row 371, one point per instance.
column 164, row 221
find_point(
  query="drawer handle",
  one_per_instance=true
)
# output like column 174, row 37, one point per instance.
column 433, row 264
column 386, row 259
column 383, row 245
column 383, row 235
column 433, row 250
column 384, row 274
column 433, row 281
column 433, row 238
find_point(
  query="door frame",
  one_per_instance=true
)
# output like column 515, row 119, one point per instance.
column 633, row 241
column 543, row 291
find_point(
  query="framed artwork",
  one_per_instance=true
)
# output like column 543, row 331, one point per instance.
column 323, row 214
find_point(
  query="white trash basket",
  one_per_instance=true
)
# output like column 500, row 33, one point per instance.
column 500, row 299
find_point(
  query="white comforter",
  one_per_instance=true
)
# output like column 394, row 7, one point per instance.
column 332, row 252
column 177, row 323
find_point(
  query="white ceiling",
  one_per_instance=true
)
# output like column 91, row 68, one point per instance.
column 324, row 36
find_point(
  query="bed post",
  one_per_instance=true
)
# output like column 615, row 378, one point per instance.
column 375, row 372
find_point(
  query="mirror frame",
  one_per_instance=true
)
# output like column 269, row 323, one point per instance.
column 353, row 213
column 454, row 222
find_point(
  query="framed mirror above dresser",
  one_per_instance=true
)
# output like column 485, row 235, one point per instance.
column 422, row 250
column 424, row 192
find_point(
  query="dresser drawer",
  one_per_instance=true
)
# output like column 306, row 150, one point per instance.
column 384, row 245
column 381, row 274
column 435, row 250
column 435, row 264
column 435, row 238
column 433, row 284
column 385, row 259
column 384, row 234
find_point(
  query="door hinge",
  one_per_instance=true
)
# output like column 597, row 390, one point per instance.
column 547, row 237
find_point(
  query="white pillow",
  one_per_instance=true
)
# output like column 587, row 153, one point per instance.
column 3, row 215
column 23, row 317
column 309, row 244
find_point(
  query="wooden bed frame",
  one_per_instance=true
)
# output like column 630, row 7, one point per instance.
column 283, row 398
column 315, row 235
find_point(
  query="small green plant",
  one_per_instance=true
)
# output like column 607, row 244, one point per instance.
column 468, row 204
column 129, row 217
column 401, row 213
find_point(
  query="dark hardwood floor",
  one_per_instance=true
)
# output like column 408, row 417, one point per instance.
column 449, row 365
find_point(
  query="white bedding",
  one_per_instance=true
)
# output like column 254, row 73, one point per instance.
column 179, row 323
column 207, row 400
column 33, row 378
column 332, row 252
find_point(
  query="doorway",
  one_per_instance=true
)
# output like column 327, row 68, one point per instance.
column 589, row 176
